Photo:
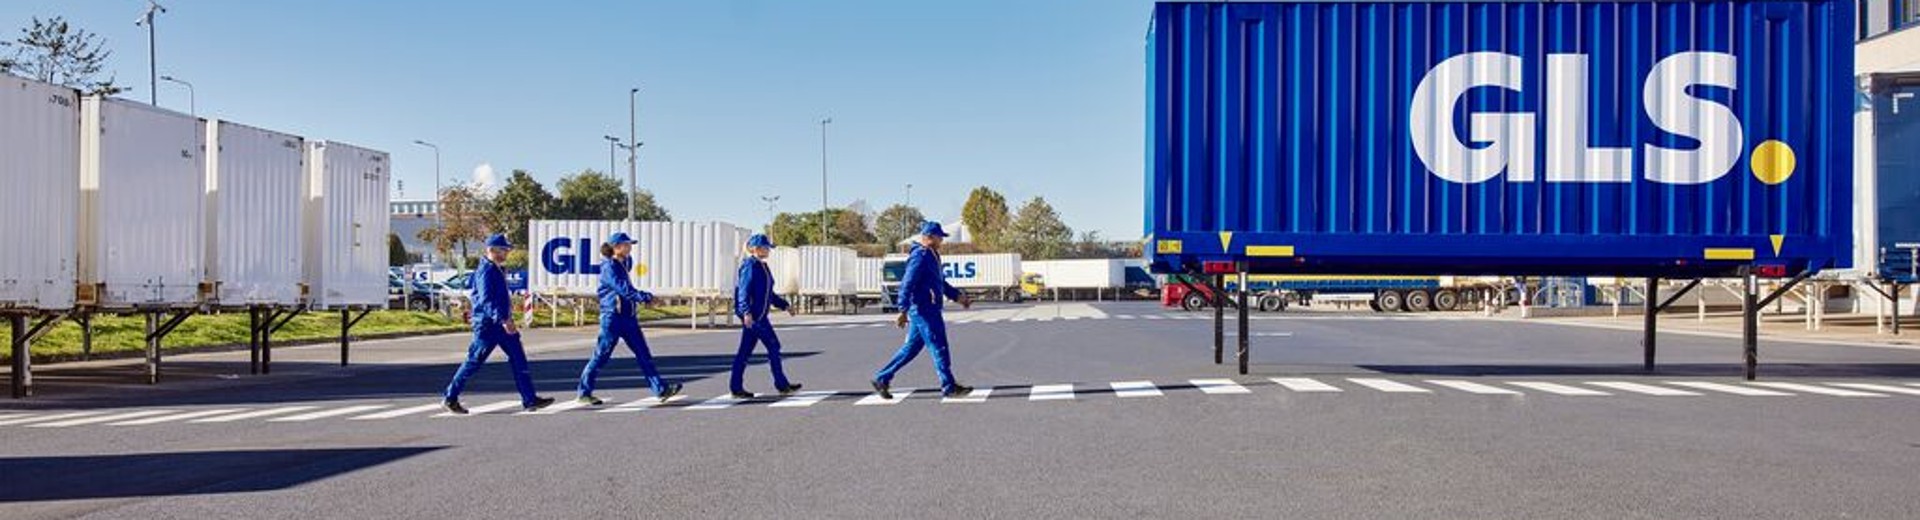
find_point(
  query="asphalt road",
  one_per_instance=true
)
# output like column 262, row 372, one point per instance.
column 1095, row 411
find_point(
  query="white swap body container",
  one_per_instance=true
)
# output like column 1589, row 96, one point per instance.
column 40, row 204
column 784, row 262
column 345, row 259
column 254, row 214
column 670, row 258
column 988, row 271
column 867, row 275
column 1098, row 273
column 142, row 204
column 827, row 270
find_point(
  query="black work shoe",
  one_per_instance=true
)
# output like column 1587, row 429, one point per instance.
column 453, row 407
column 743, row 395
column 590, row 400
column 885, row 390
column 538, row 403
column 790, row 389
column 672, row 390
column 957, row 390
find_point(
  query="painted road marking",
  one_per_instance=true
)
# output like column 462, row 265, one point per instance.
column 1387, row 385
column 1472, row 387
column 1731, row 389
column 256, row 414
column 1557, row 388
column 557, row 407
column 874, row 398
column 1879, row 388
column 177, row 417
column 403, row 412
column 1811, row 389
column 100, row 419
column 718, row 403
column 1301, row 384
column 485, row 408
column 1050, row 392
column 644, row 403
column 54, row 417
column 329, row 413
column 1641, row 388
column 978, row 395
column 1136, row 389
column 1219, row 386
column 803, row 399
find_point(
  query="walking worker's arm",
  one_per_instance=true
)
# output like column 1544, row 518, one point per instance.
column 614, row 275
column 743, row 292
column 490, row 285
column 913, row 278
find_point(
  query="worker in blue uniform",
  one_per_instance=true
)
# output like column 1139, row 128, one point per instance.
column 922, row 288
column 620, row 321
column 493, row 328
column 753, row 296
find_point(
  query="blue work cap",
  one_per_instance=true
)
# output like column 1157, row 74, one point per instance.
column 759, row 240
column 619, row 237
column 499, row 241
column 932, row 229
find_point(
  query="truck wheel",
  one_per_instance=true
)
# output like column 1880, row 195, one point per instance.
column 1272, row 303
column 1193, row 302
column 1389, row 301
column 1444, row 301
column 1419, row 301
column 1375, row 305
column 421, row 305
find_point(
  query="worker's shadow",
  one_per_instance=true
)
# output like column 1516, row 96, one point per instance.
column 80, row 477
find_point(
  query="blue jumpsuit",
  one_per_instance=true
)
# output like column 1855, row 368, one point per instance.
column 921, row 290
column 752, row 297
column 619, row 302
column 492, row 309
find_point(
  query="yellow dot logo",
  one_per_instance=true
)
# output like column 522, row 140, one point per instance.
column 1772, row 162
column 639, row 269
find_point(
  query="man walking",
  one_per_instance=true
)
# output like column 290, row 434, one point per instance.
column 922, row 288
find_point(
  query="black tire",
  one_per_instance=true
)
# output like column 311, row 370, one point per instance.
column 1419, row 301
column 419, row 305
column 1272, row 303
column 1375, row 304
column 1193, row 302
column 1390, row 301
column 1446, row 301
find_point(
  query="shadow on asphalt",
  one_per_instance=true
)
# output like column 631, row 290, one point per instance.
column 187, row 473
column 124, row 385
column 1766, row 370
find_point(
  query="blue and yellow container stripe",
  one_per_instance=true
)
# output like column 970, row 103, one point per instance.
column 1670, row 138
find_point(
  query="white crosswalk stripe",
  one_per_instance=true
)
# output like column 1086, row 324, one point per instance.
column 54, row 417
column 12, row 416
column 1301, row 384
column 1219, row 386
column 177, row 417
column 1726, row 388
column 403, row 412
column 1811, row 389
column 1388, row 385
column 1050, row 392
column 1472, row 387
column 978, row 395
column 310, row 416
column 644, row 403
column 100, row 419
column 256, row 414
column 1638, row 388
column 485, row 408
column 1124, row 316
column 723, row 402
column 804, row 399
column 1557, row 388
column 1135, row 389
column 558, row 407
column 1879, row 388
column 899, row 394
column 1152, row 317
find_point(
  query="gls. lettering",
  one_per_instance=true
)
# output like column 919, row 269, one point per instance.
column 558, row 257
column 1511, row 147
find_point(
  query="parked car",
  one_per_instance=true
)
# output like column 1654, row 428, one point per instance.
column 411, row 296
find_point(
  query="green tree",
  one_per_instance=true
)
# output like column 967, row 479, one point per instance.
column 591, row 195
column 788, row 229
column 985, row 215
column 896, row 223
column 521, row 200
column 396, row 250
column 848, row 227
column 464, row 220
column 54, row 51
column 1037, row 232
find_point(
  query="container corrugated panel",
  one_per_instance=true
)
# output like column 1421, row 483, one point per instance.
column 142, row 204
column 254, row 185
column 1616, row 138
column 670, row 258
column 784, row 262
column 1099, row 273
column 867, row 275
column 345, row 261
column 40, row 204
column 826, row 270
column 1893, row 187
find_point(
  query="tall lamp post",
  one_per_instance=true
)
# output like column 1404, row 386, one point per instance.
column 192, row 108
column 823, row 178
column 633, row 150
column 439, row 215
column 613, row 145
column 153, row 66
column 771, row 201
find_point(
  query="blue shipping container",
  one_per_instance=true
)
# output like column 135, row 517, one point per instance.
column 1895, row 102
column 1674, row 138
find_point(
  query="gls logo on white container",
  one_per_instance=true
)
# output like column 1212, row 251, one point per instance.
column 1569, row 158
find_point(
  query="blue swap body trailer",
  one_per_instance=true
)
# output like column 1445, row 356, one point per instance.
column 1676, row 139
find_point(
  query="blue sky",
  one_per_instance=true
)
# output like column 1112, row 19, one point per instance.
column 1030, row 98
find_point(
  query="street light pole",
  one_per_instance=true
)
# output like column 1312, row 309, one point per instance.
column 439, row 213
column 153, row 66
column 909, row 194
column 192, row 106
column 633, row 150
column 823, row 178
column 771, row 200
column 613, row 145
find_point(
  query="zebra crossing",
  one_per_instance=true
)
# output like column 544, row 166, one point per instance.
column 1132, row 390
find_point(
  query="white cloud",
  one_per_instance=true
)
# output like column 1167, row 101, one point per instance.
column 484, row 178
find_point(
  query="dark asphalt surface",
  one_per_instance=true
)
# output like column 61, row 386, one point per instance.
column 1270, row 453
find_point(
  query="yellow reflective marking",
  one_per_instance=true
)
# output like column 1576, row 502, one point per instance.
column 1226, row 240
column 1772, row 162
column 1167, row 247
column 1269, row 250
column 1729, row 253
column 1777, row 240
